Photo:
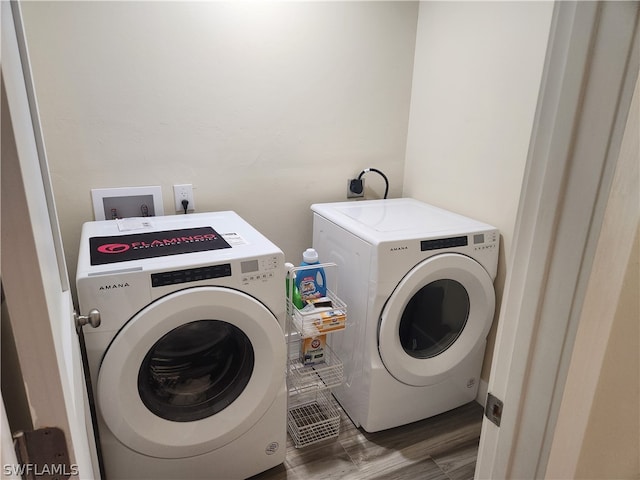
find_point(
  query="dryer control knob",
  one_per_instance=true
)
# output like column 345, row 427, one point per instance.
column 92, row 319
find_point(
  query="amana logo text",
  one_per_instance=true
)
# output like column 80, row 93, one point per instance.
column 396, row 249
column 114, row 286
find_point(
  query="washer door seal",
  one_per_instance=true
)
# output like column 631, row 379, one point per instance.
column 437, row 315
column 118, row 395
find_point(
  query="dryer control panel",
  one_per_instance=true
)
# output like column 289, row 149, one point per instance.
column 485, row 240
column 440, row 243
column 479, row 241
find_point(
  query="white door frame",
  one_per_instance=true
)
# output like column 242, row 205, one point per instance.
column 34, row 275
column 7, row 451
column 599, row 311
column 589, row 76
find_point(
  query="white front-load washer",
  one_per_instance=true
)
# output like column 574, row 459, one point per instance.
column 418, row 283
column 188, row 363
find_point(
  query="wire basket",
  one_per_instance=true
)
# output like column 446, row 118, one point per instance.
column 310, row 324
column 313, row 417
column 327, row 374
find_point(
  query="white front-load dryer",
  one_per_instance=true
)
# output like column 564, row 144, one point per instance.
column 188, row 363
column 418, row 283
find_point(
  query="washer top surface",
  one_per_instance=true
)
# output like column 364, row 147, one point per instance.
column 207, row 237
column 396, row 219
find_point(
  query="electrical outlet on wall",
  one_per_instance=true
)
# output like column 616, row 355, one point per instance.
column 355, row 187
column 184, row 192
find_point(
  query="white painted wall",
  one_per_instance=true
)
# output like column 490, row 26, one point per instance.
column 477, row 72
column 611, row 442
column 265, row 107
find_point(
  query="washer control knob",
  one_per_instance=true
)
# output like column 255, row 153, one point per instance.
column 92, row 319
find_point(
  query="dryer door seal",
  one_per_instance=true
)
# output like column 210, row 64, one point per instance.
column 439, row 313
column 137, row 405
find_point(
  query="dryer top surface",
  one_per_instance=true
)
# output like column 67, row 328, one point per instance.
column 397, row 219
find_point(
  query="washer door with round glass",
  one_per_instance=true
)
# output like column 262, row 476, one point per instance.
column 191, row 372
column 437, row 315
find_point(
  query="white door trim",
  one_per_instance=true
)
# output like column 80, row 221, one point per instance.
column 34, row 277
column 7, row 451
column 599, row 311
column 588, row 80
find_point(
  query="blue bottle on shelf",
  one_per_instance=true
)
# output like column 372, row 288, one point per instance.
column 311, row 282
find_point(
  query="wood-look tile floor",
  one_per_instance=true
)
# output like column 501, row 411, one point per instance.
column 443, row 447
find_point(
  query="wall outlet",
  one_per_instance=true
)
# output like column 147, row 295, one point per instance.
column 184, row 192
column 355, row 188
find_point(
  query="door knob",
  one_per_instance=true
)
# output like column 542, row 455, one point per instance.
column 92, row 319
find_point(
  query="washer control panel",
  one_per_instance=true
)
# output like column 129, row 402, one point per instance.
column 258, row 269
column 190, row 275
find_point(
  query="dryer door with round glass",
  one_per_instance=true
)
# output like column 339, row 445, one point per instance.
column 437, row 315
column 191, row 372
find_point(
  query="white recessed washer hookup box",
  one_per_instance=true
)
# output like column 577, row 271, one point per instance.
column 125, row 202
